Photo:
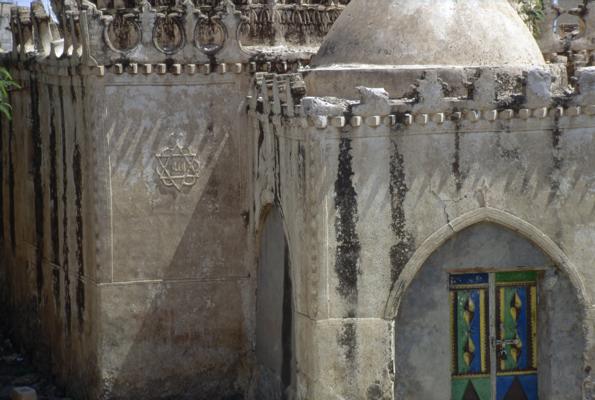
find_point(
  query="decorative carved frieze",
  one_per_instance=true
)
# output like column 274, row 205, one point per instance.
column 108, row 32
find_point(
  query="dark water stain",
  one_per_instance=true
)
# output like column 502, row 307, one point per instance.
column 347, row 339
column 456, row 164
column 80, row 302
column 258, row 153
column 510, row 154
column 72, row 91
column 65, row 260
column 277, row 169
column 557, row 161
column 53, row 186
column 374, row 392
column 287, row 325
column 348, row 244
column 260, row 108
column 37, row 185
column 78, row 184
column 301, row 163
column 260, row 136
column 2, row 183
column 405, row 245
column 77, row 166
column 11, row 183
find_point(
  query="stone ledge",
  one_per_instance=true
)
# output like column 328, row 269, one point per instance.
column 423, row 119
column 192, row 69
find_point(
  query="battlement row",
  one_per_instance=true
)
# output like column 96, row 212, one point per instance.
column 181, row 33
column 537, row 96
column 423, row 119
column 564, row 30
column 105, row 32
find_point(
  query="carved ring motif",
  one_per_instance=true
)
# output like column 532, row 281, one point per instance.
column 210, row 36
column 168, row 35
column 122, row 34
column 574, row 30
column 177, row 166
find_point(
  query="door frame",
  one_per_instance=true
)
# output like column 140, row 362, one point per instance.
column 492, row 287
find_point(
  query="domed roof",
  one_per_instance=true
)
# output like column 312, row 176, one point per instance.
column 429, row 32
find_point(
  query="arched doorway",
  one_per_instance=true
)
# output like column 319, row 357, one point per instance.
column 489, row 316
column 275, row 341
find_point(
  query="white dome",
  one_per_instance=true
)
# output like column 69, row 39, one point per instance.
column 429, row 32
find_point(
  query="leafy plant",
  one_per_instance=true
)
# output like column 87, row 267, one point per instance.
column 6, row 83
column 532, row 12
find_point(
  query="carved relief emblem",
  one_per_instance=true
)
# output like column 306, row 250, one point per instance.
column 177, row 165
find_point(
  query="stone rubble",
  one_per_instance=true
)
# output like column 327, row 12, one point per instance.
column 19, row 376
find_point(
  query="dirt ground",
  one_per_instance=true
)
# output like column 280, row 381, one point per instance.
column 17, row 370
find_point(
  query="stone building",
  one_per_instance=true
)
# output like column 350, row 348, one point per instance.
column 233, row 200
column 5, row 35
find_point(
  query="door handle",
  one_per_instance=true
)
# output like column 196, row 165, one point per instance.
column 501, row 352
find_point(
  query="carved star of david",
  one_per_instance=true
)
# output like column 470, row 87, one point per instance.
column 178, row 167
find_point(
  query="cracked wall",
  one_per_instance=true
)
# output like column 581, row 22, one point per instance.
column 423, row 335
column 391, row 178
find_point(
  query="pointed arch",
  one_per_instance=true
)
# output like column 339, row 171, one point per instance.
column 262, row 217
column 275, row 309
column 491, row 215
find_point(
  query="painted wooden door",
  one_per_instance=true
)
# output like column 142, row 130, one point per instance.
column 493, row 332
column 516, row 340
column 471, row 366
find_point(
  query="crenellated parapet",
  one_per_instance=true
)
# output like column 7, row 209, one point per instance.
column 184, row 33
column 568, row 31
column 264, row 22
column 22, row 30
column 304, row 24
column 37, row 36
column 528, row 98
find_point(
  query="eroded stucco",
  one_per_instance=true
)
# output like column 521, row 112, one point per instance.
column 137, row 182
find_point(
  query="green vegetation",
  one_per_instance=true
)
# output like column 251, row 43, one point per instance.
column 532, row 12
column 6, row 83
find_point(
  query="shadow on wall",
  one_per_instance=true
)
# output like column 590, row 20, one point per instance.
column 185, row 335
column 275, row 343
column 275, row 340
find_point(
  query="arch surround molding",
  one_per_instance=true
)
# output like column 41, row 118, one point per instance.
column 495, row 216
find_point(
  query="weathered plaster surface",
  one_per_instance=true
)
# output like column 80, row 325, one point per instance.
column 46, row 228
column 135, row 288
column 423, row 334
column 176, row 255
column 390, row 185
